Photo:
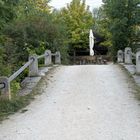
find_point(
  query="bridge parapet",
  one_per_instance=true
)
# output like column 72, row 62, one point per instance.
column 32, row 64
column 128, row 56
column 120, row 56
column 138, row 61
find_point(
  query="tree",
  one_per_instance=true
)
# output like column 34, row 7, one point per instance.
column 7, row 14
column 101, row 26
column 7, row 11
column 27, row 27
column 33, row 7
column 78, row 20
column 42, row 5
column 123, row 18
column 34, row 33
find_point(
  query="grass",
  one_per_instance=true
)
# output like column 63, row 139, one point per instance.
column 18, row 103
column 10, row 107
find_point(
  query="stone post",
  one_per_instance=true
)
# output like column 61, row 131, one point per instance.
column 138, row 62
column 120, row 56
column 48, row 57
column 128, row 56
column 58, row 58
column 33, row 68
column 5, row 90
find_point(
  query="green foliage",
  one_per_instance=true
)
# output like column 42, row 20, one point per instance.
column 4, row 70
column 10, row 107
column 7, row 11
column 32, row 35
column 26, row 27
column 15, row 86
column 78, row 19
column 122, row 17
column 33, row 7
column 101, row 26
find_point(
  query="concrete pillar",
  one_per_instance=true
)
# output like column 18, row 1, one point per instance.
column 48, row 57
column 138, row 62
column 5, row 90
column 33, row 68
column 128, row 56
column 58, row 58
column 120, row 56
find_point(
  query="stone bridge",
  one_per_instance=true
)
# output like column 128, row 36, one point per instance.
column 85, row 102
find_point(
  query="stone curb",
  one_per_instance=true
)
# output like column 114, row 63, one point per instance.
column 132, row 70
column 29, row 83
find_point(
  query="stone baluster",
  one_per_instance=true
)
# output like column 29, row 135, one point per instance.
column 33, row 68
column 138, row 62
column 128, row 56
column 120, row 56
column 58, row 58
column 48, row 57
column 5, row 90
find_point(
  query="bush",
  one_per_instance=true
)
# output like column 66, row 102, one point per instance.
column 33, row 35
column 27, row 36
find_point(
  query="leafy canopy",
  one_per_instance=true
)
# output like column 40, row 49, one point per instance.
column 7, row 11
column 78, row 20
column 123, row 18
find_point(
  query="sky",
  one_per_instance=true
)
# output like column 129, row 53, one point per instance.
column 62, row 3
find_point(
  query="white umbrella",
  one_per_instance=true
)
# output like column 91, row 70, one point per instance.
column 91, row 43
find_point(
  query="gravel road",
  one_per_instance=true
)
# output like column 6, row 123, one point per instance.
column 80, row 103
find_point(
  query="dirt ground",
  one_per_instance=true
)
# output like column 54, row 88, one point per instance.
column 91, row 102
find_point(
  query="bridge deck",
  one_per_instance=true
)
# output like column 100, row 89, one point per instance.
column 79, row 103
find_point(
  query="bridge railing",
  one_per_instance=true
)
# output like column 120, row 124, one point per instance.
column 127, row 56
column 32, row 64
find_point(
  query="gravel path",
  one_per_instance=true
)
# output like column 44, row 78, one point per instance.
column 80, row 103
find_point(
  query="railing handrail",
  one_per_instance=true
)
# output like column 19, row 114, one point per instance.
column 15, row 75
column 41, row 56
column 12, row 77
column 53, row 54
column 33, row 70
